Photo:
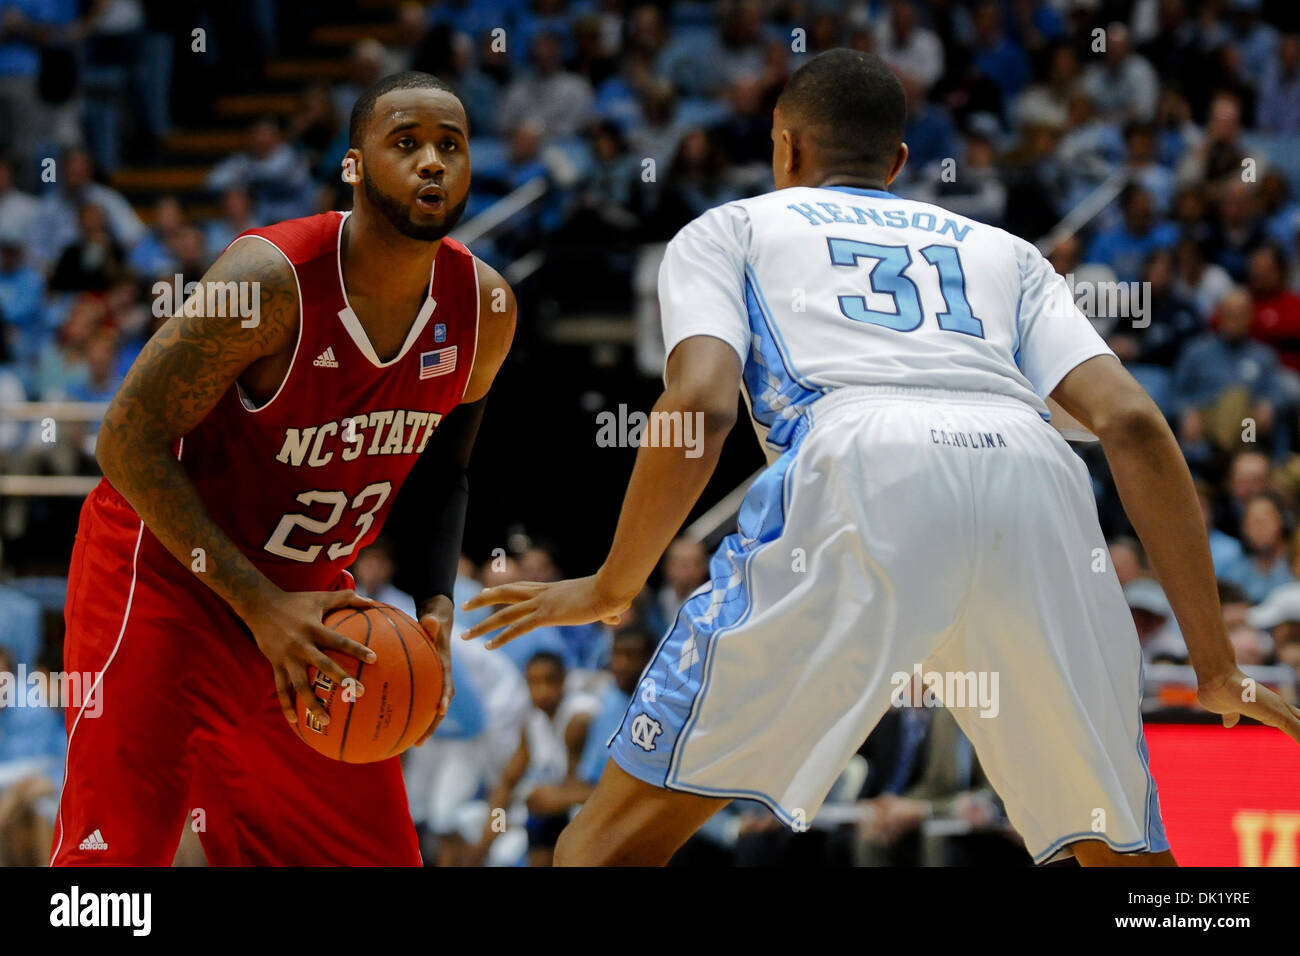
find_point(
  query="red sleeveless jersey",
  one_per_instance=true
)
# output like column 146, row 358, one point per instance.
column 303, row 482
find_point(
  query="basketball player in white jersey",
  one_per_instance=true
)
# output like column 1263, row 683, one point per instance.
column 922, row 512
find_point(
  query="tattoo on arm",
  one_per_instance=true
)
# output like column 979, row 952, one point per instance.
column 181, row 373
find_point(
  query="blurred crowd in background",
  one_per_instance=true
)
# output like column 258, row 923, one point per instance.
column 638, row 117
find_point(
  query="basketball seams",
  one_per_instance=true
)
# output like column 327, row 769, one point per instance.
column 410, row 674
column 347, row 724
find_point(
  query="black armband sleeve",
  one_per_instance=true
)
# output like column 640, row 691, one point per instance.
column 427, row 521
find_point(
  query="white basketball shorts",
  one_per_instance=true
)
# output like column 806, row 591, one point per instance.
column 951, row 532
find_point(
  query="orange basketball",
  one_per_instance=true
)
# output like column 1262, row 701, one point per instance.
column 402, row 688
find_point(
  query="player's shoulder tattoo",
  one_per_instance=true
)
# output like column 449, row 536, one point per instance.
column 273, row 285
column 202, row 349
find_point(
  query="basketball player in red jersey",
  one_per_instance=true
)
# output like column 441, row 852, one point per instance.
column 247, row 460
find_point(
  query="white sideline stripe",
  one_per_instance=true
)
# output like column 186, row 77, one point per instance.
column 126, row 614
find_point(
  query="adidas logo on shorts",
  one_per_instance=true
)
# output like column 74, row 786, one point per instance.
column 326, row 359
column 94, row 842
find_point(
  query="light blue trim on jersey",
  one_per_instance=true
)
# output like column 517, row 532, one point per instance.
column 1153, row 827
column 783, row 350
column 673, row 706
column 778, row 394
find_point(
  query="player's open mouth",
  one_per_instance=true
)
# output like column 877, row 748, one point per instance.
column 430, row 202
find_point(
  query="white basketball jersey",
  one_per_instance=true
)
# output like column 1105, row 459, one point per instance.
column 824, row 288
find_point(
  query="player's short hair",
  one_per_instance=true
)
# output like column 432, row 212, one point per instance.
column 365, row 104
column 853, row 105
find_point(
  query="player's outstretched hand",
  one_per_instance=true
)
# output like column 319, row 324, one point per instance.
column 532, row 604
column 436, row 621
column 1235, row 696
column 290, row 631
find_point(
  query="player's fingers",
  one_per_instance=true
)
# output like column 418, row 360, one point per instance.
column 613, row 619
column 509, row 634
column 333, row 639
column 432, row 727
column 1287, row 720
column 347, row 598
column 1275, row 712
column 507, row 615
column 302, row 688
column 286, row 698
column 1230, row 720
column 502, row 594
column 1292, row 726
column 448, row 686
column 329, row 666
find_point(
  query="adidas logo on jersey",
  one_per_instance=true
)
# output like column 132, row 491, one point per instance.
column 326, row 359
column 94, row 842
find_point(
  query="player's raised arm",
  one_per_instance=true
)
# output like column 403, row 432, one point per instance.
column 428, row 517
column 1156, row 488
column 706, row 335
column 703, row 382
column 181, row 373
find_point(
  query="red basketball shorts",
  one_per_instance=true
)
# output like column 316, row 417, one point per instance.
column 185, row 729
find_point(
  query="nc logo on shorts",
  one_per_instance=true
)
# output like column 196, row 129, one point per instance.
column 644, row 731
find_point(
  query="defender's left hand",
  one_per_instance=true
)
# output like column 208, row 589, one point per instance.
column 532, row 604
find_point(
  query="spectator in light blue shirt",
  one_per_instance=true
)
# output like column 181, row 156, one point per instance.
column 1278, row 109
column 274, row 173
column 1224, row 548
column 997, row 56
column 152, row 256
column 633, row 648
column 32, row 746
column 1215, row 362
column 22, row 633
column 523, row 648
column 1256, row 40
column 1264, row 565
column 31, row 727
column 930, row 134
column 24, row 26
column 1125, row 247
column 22, row 290
column 58, row 222
column 236, row 217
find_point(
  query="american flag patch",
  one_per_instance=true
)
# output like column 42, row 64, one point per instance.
column 438, row 362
